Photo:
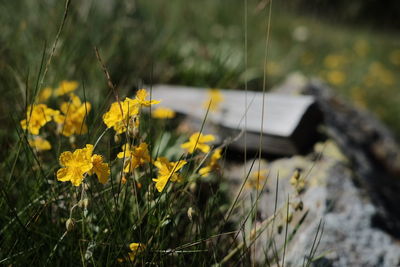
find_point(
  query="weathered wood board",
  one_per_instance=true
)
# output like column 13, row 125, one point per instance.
column 289, row 122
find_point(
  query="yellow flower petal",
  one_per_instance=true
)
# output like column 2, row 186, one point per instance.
column 197, row 141
column 122, row 115
column 74, row 114
column 101, row 169
column 205, row 171
column 161, row 182
column 40, row 144
column 167, row 170
column 63, row 175
column 215, row 98
column 213, row 164
column 45, row 94
column 37, row 116
column 141, row 96
column 135, row 155
column 136, row 248
column 66, row 87
column 126, row 151
column 163, row 113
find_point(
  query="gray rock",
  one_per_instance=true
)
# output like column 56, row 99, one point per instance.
column 349, row 237
column 372, row 150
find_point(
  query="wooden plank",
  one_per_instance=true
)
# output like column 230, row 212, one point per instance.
column 284, row 115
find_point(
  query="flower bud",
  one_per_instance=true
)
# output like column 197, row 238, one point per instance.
column 193, row 187
column 70, row 224
column 85, row 203
column 72, row 139
column 190, row 213
column 117, row 138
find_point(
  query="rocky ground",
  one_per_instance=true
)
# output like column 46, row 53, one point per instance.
column 330, row 196
column 349, row 194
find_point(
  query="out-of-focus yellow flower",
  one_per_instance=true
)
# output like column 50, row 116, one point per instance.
column 101, row 169
column 334, row 61
column 66, row 87
column 122, row 115
column 256, row 179
column 215, row 98
column 336, row 77
column 37, row 117
column 361, row 47
column 213, row 164
column 45, row 94
column 141, row 96
column 135, row 248
column 198, row 141
column 163, row 113
column 379, row 72
column 394, row 57
column 40, row 144
column 80, row 162
column 72, row 121
column 135, row 155
column 167, row 171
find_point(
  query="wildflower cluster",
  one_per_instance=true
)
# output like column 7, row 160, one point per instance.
column 134, row 159
column 69, row 118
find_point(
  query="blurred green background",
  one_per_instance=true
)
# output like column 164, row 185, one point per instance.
column 353, row 45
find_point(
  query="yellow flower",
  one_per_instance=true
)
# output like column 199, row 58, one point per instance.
column 66, row 87
column 135, row 248
column 45, row 94
column 256, row 179
column 72, row 121
column 163, row 113
column 141, row 96
column 136, row 155
column 167, row 170
column 40, row 144
column 197, row 141
column 336, row 77
column 334, row 61
column 380, row 73
column 76, row 165
column 122, row 115
column 37, row 117
column 101, row 169
column 81, row 162
column 213, row 164
column 214, row 100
